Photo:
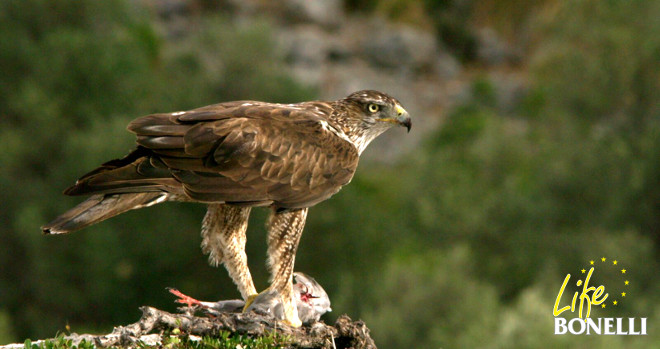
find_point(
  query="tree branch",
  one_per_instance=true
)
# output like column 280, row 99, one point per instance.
column 154, row 322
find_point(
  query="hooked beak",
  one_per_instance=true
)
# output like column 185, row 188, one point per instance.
column 402, row 118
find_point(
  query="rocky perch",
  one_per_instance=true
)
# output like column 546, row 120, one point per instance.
column 156, row 324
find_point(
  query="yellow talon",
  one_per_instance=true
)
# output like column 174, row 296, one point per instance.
column 248, row 302
column 293, row 323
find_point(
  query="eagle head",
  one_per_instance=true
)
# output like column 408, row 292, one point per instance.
column 364, row 115
column 376, row 108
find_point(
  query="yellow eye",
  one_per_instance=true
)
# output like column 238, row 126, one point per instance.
column 373, row 108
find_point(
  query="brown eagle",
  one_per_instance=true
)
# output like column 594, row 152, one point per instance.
column 234, row 156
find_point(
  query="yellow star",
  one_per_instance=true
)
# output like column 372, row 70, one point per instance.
column 615, row 302
column 614, row 262
column 626, row 282
column 623, row 271
column 603, row 305
column 603, row 259
column 583, row 271
column 591, row 262
column 623, row 294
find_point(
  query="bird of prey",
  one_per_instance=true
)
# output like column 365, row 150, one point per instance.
column 309, row 298
column 234, row 156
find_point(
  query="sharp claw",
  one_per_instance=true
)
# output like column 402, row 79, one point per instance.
column 293, row 323
column 248, row 302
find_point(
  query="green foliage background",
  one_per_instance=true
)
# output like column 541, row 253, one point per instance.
column 463, row 243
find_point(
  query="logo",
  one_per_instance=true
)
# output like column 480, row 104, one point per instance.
column 588, row 296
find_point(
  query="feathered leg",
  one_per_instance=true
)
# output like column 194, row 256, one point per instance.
column 223, row 238
column 284, row 231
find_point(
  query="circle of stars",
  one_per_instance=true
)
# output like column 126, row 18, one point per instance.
column 615, row 262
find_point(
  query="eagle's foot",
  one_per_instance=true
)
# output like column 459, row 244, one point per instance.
column 293, row 320
column 270, row 302
column 250, row 299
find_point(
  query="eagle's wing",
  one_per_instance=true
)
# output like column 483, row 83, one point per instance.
column 244, row 152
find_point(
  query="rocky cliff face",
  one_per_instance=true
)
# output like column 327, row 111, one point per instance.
column 337, row 52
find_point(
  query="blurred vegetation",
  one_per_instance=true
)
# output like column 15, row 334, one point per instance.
column 455, row 21
column 464, row 243
column 448, row 18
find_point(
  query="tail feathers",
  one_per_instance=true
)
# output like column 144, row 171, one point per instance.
column 125, row 176
column 99, row 208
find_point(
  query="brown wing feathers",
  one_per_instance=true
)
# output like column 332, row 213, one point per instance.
column 242, row 152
